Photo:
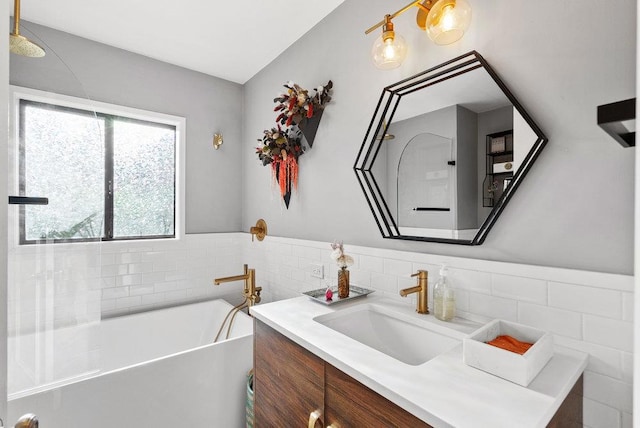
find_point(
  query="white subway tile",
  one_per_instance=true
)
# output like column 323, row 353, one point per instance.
column 493, row 307
column 602, row 360
column 462, row 299
column 609, row 391
column 163, row 287
column 399, row 268
column 627, row 306
column 598, row 415
column 383, row 282
column 151, row 299
column 290, row 261
column 128, row 302
column 478, row 282
column 299, row 274
column 627, row 420
column 107, row 259
column 114, row 293
column 284, row 249
column 608, row 332
column 108, row 282
column 360, row 278
column 165, row 266
column 114, row 270
column 372, row 264
column 136, row 290
column 627, row 367
column 519, row 288
column 153, row 277
column 108, row 304
column 127, row 280
column 559, row 321
column 125, row 258
column 175, row 295
column 140, row 267
column 284, row 271
column 597, row 301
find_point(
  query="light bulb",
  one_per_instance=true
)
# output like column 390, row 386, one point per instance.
column 389, row 53
column 448, row 20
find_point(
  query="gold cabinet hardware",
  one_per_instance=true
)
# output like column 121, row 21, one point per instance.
column 27, row 421
column 314, row 417
column 259, row 230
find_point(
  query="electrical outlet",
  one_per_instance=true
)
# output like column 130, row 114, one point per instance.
column 317, row 270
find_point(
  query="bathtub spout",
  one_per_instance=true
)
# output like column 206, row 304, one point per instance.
column 250, row 291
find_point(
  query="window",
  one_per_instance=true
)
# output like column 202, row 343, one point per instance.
column 108, row 176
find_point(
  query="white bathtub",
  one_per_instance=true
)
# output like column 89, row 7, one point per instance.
column 156, row 369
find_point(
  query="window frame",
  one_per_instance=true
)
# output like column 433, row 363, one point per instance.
column 106, row 111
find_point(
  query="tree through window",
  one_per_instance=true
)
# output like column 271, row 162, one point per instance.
column 107, row 176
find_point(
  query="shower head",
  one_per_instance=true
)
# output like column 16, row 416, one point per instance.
column 19, row 44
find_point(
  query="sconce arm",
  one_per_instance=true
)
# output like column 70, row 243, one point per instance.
column 418, row 3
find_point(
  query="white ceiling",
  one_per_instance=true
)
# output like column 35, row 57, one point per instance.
column 231, row 39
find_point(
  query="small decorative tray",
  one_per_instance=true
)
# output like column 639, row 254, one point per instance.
column 354, row 292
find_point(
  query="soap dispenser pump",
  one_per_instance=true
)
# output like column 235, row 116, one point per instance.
column 444, row 301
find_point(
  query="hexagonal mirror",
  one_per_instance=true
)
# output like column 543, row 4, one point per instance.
column 444, row 153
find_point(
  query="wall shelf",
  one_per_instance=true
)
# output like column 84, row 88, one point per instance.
column 498, row 166
column 619, row 121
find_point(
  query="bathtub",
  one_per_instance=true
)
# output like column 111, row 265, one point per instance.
column 153, row 369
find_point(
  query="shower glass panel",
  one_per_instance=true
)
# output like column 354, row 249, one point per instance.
column 425, row 184
column 54, row 250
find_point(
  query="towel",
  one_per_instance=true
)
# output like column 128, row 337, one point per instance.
column 511, row 344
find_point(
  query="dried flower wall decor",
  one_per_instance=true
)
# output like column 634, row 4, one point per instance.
column 299, row 115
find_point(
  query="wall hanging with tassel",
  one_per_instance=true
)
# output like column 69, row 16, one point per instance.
column 298, row 119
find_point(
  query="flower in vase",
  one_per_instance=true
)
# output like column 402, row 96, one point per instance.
column 342, row 260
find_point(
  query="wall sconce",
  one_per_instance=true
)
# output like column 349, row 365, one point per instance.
column 445, row 21
column 217, row 141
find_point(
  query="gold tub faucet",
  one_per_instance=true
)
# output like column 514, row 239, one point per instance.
column 250, row 291
column 422, row 288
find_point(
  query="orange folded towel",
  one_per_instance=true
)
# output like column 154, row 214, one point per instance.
column 510, row 344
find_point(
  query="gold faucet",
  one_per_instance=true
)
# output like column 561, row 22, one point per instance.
column 421, row 289
column 250, row 292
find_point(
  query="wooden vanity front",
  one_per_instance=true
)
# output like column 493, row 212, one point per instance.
column 291, row 383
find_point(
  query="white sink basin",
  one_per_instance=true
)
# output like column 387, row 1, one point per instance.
column 397, row 335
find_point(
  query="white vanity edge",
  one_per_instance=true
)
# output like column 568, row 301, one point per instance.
column 444, row 391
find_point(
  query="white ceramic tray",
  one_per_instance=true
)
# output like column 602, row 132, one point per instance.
column 520, row 369
column 354, row 293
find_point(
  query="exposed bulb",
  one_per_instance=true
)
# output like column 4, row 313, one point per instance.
column 389, row 53
column 448, row 20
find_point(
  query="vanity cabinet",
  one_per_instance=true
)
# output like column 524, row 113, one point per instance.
column 290, row 383
column 288, row 380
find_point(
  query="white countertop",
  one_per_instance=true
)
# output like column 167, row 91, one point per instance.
column 443, row 391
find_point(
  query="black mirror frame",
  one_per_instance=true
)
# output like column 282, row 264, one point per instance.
column 382, row 118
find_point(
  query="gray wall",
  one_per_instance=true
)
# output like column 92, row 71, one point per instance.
column 467, row 169
column 104, row 73
column 574, row 210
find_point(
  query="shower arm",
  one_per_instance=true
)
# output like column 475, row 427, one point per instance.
column 16, row 17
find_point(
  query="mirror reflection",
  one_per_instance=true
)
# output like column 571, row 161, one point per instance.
column 456, row 144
